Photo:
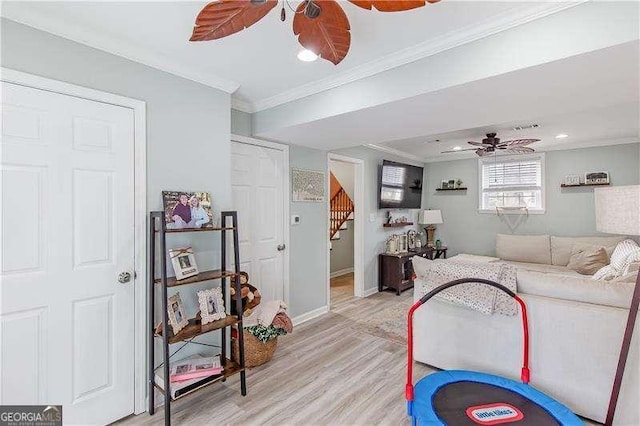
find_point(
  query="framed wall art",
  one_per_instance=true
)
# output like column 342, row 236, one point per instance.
column 307, row 185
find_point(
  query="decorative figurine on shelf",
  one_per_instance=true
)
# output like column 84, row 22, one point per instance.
column 411, row 239
column 459, row 183
column 392, row 244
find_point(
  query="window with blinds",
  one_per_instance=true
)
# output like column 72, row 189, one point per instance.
column 512, row 183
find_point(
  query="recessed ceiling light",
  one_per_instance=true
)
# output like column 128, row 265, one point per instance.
column 307, row 55
column 456, row 148
column 562, row 136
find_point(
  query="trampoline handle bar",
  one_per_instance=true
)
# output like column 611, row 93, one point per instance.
column 525, row 372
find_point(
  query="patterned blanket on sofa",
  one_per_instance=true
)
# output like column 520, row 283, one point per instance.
column 477, row 296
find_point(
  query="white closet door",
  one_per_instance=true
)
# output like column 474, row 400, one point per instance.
column 257, row 188
column 66, row 323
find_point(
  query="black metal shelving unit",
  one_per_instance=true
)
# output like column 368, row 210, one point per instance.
column 159, row 231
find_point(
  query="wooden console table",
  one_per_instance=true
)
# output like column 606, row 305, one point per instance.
column 395, row 271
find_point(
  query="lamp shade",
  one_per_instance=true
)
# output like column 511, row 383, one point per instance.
column 618, row 210
column 430, row 217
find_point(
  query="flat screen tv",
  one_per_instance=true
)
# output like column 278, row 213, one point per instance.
column 400, row 186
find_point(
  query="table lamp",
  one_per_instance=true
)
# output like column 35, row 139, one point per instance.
column 618, row 212
column 430, row 218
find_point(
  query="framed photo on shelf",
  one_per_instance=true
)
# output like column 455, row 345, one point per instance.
column 177, row 315
column 184, row 262
column 211, row 305
column 572, row 180
column 187, row 209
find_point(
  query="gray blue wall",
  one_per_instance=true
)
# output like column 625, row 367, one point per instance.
column 308, row 240
column 569, row 211
column 240, row 123
column 341, row 255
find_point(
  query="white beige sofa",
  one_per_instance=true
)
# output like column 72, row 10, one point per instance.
column 576, row 329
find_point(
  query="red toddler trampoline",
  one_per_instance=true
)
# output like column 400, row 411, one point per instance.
column 470, row 398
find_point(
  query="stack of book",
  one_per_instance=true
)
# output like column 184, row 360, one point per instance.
column 190, row 373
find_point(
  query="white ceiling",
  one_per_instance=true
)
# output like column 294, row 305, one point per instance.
column 594, row 97
column 262, row 59
column 594, row 127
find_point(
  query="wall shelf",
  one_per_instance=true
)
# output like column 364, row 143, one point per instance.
column 451, row 189
column 397, row 225
column 584, row 185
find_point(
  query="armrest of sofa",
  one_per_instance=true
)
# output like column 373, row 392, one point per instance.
column 579, row 289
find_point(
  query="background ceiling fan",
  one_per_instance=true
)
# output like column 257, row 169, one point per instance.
column 491, row 143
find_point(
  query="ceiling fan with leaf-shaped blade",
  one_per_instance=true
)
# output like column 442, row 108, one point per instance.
column 321, row 25
column 492, row 144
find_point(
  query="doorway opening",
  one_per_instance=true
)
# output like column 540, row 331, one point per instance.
column 345, row 229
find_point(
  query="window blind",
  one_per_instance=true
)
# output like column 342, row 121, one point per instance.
column 512, row 174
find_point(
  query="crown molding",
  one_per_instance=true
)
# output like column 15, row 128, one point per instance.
column 453, row 39
column 29, row 16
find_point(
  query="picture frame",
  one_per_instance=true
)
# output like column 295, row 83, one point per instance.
column 307, row 185
column 184, row 262
column 177, row 315
column 572, row 180
column 211, row 305
column 188, row 209
column 596, row 178
column 444, row 184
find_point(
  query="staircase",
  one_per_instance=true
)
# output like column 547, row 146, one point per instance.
column 341, row 208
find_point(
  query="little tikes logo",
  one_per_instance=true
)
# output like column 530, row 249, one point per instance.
column 494, row 414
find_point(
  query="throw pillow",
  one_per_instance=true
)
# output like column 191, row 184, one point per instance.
column 588, row 260
column 606, row 273
column 621, row 252
column 420, row 266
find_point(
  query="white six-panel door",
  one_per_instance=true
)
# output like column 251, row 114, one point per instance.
column 66, row 323
column 257, row 188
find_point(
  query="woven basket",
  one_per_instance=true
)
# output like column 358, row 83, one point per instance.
column 255, row 352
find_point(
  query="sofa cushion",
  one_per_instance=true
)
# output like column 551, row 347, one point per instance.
column 561, row 246
column 620, row 256
column 588, row 260
column 552, row 269
column 524, row 248
column 580, row 289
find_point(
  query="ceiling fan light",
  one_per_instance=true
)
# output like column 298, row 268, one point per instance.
column 562, row 136
column 306, row 55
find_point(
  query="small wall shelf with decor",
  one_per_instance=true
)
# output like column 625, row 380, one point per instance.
column 451, row 189
column 397, row 224
column 582, row 185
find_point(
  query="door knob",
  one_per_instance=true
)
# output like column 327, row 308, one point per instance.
column 281, row 247
column 124, row 277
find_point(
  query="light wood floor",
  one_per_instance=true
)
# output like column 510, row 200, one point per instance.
column 329, row 371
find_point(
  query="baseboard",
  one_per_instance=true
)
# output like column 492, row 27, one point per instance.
column 368, row 292
column 310, row 315
column 341, row 272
